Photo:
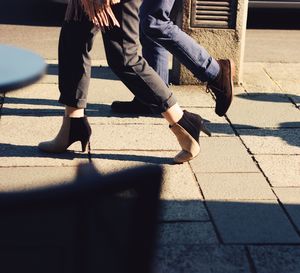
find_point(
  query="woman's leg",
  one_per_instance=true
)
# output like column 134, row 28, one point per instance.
column 75, row 43
column 74, row 62
column 121, row 52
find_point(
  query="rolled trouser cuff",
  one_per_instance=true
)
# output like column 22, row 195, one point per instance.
column 76, row 103
column 163, row 106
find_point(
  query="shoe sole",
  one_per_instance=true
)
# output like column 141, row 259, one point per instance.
column 231, row 75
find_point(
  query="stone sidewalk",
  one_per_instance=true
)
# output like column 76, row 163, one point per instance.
column 235, row 208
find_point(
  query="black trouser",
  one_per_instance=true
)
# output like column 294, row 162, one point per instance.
column 121, row 46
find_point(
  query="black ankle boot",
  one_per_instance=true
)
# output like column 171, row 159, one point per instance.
column 187, row 131
column 72, row 130
column 134, row 107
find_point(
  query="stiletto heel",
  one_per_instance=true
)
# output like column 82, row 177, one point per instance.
column 204, row 129
column 84, row 145
column 72, row 130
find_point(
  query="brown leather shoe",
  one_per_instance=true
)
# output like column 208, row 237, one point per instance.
column 222, row 86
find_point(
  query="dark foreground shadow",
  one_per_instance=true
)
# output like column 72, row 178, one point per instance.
column 117, row 224
column 32, row 12
column 95, row 224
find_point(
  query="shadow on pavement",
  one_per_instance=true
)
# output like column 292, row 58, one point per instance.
column 269, row 97
column 98, row 72
column 284, row 131
column 27, row 151
column 92, row 110
column 134, row 158
column 12, row 150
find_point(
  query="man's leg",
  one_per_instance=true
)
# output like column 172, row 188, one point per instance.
column 218, row 74
column 155, row 54
column 156, row 24
column 121, row 46
column 157, row 57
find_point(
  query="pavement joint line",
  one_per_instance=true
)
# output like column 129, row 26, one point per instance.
column 268, row 181
column 287, row 214
column 278, row 200
column 251, row 263
column 279, row 86
column 210, row 217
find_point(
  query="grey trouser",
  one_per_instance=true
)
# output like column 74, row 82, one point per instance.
column 121, row 46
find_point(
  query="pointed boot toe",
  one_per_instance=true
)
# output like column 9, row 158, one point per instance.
column 183, row 156
column 187, row 131
column 190, row 147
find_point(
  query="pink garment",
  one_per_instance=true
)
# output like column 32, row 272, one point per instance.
column 98, row 11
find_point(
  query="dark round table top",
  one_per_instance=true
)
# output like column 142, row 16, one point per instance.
column 19, row 68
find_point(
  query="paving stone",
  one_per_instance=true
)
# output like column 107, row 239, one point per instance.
column 286, row 76
column 25, row 178
column 200, row 259
column 252, row 222
column 134, row 137
column 20, row 137
column 193, row 96
column 263, row 45
column 275, row 259
column 276, row 142
column 186, row 233
column 185, row 210
column 179, row 183
column 234, row 186
column 290, row 198
column 263, row 111
column 35, row 100
column 281, row 170
column 255, row 79
column 223, row 154
column 35, row 95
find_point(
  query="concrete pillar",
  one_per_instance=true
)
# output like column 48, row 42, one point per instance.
column 219, row 26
